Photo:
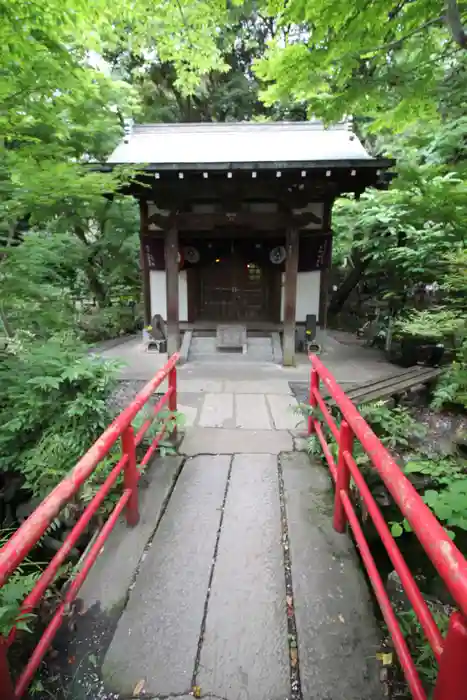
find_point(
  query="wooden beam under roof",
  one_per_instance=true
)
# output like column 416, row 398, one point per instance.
column 256, row 220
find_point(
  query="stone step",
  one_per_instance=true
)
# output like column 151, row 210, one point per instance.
column 231, row 338
column 258, row 349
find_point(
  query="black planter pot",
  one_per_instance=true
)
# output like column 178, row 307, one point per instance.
column 410, row 351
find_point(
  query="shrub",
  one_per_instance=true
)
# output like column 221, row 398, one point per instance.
column 448, row 498
column 14, row 591
column 452, row 387
column 448, row 323
column 110, row 322
column 412, row 630
column 395, row 427
column 174, row 420
column 53, row 405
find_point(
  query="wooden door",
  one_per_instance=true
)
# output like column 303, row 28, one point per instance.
column 250, row 291
column 232, row 289
column 216, row 297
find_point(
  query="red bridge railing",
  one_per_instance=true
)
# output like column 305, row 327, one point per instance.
column 451, row 652
column 26, row 537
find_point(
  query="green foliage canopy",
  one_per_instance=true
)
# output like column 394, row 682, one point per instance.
column 384, row 60
column 60, row 104
column 67, row 234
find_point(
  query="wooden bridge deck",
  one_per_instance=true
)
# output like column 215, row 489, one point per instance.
column 393, row 385
column 376, row 389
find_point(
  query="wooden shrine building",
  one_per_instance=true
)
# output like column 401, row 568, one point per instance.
column 236, row 220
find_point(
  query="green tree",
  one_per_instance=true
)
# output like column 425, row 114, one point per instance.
column 67, row 235
column 385, row 60
column 227, row 92
column 62, row 108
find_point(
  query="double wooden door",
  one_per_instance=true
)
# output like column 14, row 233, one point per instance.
column 235, row 290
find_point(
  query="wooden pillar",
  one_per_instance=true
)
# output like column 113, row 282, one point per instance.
column 171, row 280
column 323, row 298
column 325, row 278
column 144, row 261
column 290, row 295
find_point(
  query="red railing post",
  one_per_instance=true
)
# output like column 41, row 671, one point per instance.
column 314, row 386
column 6, row 684
column 130, row 475
column 343, row 476
column 451, row 684
column 173, row 398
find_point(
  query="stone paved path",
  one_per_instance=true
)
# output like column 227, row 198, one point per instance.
column 212, row 602
column 234, row 581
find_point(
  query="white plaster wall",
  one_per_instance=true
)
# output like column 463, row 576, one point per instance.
column 308, row 284
column 182, row 296
column 158, row 293
column 308, row 287
column 159, row 296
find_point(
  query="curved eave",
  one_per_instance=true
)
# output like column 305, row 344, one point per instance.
column 361, row 164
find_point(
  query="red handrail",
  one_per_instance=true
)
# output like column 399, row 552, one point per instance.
column 20, row 544
column 451, row 653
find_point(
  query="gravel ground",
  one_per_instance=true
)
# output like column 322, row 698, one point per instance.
column 444, row 429
column 71, row 669
column 124, row 393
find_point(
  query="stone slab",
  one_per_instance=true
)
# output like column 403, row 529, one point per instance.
column 282, row 410
column 224, row 441
column 108, row 582
column 217, row 411
column 260, row 350
column 337, row 632
column 257, row 386
column 300, row 443
column 251, row 412
column 277, row 356
column 231, row 337
column 158, row 633
column 189, row 405
column 191, row 385
column 245, row 648
column 185, row 346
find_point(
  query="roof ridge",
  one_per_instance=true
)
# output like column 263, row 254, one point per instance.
column 243, row 125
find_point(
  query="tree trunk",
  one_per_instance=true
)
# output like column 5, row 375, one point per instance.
column 96, row 287
column 454, row 22
column 6, row 324
column 341, row 295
